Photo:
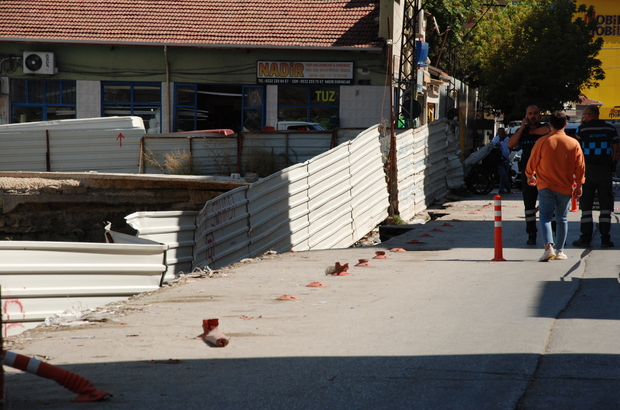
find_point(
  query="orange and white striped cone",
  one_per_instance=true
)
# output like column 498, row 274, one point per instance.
column 67, row 379
column 573, row 201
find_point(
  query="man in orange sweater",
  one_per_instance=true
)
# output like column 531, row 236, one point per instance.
column 556, row 161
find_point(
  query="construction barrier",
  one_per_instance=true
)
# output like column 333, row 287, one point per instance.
column 67, row 379
column 499, row 246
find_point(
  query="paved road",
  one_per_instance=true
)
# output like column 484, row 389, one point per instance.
column 439, row 326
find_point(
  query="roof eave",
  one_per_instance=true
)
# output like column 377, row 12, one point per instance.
column 372, row 49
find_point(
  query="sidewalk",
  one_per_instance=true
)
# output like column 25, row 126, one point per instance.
column 439, row 326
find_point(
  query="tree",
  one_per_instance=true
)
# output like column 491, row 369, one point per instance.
column 533, row 52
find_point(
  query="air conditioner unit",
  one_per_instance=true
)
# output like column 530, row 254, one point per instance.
column 38, row 62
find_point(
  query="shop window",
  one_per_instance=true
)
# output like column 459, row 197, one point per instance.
column 253, row 108
column 42, row 100
column 186, row 115
column 319, row 104
column 209, row 106
column 133, row 99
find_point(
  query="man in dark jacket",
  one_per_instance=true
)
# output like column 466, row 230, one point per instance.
column 526, row 136
column 599, row 141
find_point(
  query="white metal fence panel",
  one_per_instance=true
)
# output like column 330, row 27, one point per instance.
column 420, row 167
column 173, row 228
column 110, row 144
column 278, row 208
column 347, row 134
column 285, row 148
column 97, row 150
column 222, row 230
column 170, row 153
column 435, row 180
column 424, row 156
column 305, row 206
column 40, row 279
column 369, row 195
column 302, row 147
column 23, row 151
column 329, row 199
column 406, row 174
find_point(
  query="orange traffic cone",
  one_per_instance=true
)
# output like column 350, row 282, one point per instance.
column 573, row 203
column 67, row 379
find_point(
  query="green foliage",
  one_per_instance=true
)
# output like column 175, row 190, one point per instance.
column 532, row 52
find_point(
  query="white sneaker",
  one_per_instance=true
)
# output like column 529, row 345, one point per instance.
column 560, row 256
column 547, row 256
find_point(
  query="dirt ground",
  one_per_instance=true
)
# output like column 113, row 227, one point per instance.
column 74, row 209
column 33, row 185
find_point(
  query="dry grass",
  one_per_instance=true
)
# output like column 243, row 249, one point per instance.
column 175, row 162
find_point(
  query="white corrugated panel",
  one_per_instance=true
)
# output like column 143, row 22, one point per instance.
column 329, row 196
column 23, row 151
column 110, row 144
column 435, row 181
column 278, row 207
column 288, row 147
column 454, row 172
column 222, row 226
column 173, row 228
column 347, row 134
column 40, row 279
column 420, row 166
column 210, row 156
column 100, row 150
column 406, row 184
column 369, row 194
column 303, row 146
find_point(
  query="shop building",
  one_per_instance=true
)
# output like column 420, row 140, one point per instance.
column 184, row 66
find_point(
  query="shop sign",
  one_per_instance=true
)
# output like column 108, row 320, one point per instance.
column 607, row 25
column 614, row 113
column 304, row 73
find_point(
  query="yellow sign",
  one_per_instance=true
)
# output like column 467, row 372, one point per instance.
column 300, row 72
column 608, row 27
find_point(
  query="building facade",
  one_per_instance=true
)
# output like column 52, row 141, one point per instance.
column 184, row 66
column 608, row 27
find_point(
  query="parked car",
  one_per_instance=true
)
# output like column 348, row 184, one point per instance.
column 299, row 126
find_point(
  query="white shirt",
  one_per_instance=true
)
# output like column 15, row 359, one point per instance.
column 503, row 145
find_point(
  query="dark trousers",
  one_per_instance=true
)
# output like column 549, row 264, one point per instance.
column 503, row 170
column 598, row 178
column 530, row 195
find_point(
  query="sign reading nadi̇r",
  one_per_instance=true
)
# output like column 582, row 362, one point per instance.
column 303, row 73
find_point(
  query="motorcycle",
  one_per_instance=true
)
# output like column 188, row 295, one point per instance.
column 481, row 174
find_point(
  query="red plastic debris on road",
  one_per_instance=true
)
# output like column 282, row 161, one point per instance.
column 287, row 297
column 212, row 334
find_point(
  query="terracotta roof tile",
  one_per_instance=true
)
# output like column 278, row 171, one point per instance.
column 276, row 23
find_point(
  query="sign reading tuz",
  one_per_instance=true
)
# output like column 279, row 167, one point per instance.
column 300, row 73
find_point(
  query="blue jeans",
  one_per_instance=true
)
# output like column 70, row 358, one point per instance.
column 549, row 202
